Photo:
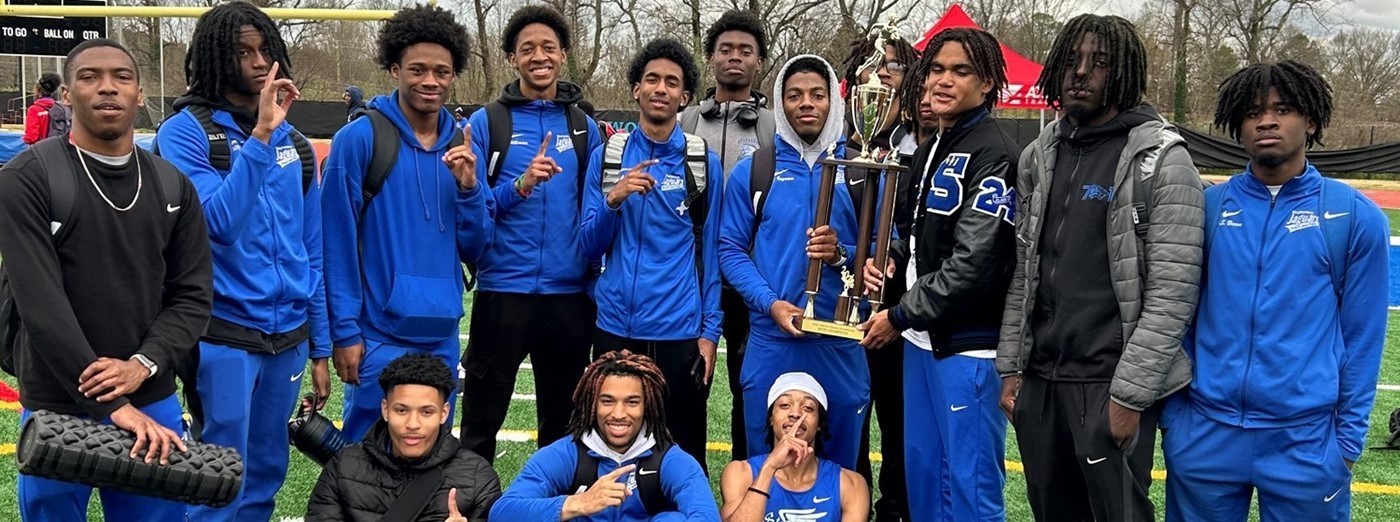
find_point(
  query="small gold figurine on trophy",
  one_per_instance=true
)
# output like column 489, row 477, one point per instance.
column 870, row 104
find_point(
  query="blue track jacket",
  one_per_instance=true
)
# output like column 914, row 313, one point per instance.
column 650, row 289
column 778, row 267
column 395, row 276
column 265, row 234
column 535, row 245
column 1272, row 349
column 538, row 492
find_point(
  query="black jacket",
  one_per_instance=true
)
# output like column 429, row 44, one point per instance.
column 361, row 482
column 964, row 241
column 1075, row 321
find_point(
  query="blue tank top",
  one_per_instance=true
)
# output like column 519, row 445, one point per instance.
column 821, row 502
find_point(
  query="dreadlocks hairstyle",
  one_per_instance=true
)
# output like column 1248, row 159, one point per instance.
column 535, row 14
column 737, row 20
column 1299, row 86
column 422, row 24
column 666, row 49
column 93, row 44
column 818, row 444
column 861, row 49
column 982, row 50
column 621, row 364
column 420, row 368
column 211, row 67
column 1127, row 60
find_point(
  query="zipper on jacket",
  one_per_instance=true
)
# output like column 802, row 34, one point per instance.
column 544, row 209
column 1055, row 263
column 1253, row 307
column 724, row 138
column 637, row 252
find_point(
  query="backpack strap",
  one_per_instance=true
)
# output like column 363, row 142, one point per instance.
column 648, row 474
column 697, row 162
column 579, row 127
column 308, row 160
column 54, row 157
column 612, row 160
column 386, row 140
column 585, row 472
column 1338, row 213
column 415, row 496
column 766, row 128
column 760, row 183
column 499, row 121
column 219, row 155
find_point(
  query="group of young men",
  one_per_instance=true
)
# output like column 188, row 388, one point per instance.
column 1056, row 288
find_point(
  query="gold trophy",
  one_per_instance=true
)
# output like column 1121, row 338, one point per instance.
column 870, row 103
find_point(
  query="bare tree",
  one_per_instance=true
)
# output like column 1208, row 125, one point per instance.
column 1256, row 25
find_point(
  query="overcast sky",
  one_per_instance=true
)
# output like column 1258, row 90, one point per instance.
column 1383, row 14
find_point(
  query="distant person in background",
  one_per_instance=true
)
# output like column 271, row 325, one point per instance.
column 354, row 103
column 36, row 120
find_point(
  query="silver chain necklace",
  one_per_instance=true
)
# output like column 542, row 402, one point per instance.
column 134, row 157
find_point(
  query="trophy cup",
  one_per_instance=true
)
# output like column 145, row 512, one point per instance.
column 870, row 103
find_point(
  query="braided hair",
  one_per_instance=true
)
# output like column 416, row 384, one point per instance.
column 983, row 52
column 211, row 67
column 1127, row 67
column 621, row 364
column 1299, row 85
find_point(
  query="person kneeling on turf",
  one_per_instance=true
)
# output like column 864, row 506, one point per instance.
column 407, row 467
column 618, row 462
column 795, row 479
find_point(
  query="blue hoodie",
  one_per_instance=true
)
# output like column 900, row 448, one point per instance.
column 650, row 289
column 538, row 492
column 264, row 232
column 777, row 268
column 395, row 276
column 1272, row 349
column 535, row 248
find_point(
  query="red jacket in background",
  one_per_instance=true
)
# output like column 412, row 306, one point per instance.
column 36, row 124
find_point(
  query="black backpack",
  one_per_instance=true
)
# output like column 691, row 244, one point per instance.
column 697, row 162
column 60, row 119
column 761, row 173
column 648, row 475
column 502, row 125
column 386, row 151
column 54, row 159
column 221, row 158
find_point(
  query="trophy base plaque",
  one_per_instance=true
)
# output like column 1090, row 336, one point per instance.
column 832, row 328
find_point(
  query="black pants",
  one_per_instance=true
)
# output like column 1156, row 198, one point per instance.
column 887, row 397
column 736, row 336
column 1074, row 470
column 554, row 330
column 686, row 401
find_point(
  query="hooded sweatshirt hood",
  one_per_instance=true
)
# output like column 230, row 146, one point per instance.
column 565, row 94
column 357, row 95
column 831, row 131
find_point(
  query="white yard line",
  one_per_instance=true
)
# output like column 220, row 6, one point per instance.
column 1387, row 387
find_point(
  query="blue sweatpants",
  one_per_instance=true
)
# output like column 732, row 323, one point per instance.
column 47, row 500
column 362, row 400
column 248, row 398
column 838, row 364
column 1214, row 468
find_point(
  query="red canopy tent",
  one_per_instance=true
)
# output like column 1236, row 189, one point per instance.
column 1021, row 72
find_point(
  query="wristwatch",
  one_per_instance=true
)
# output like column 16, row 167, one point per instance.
column 147, row 362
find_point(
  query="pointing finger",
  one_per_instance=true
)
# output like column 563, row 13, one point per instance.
column 271, row 76
column 615, row 474
column 544, row 144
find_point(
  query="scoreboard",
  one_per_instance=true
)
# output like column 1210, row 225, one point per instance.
column 49, row 36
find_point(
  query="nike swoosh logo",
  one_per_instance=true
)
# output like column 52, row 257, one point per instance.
column 819, row 500
column 580, row 132
column 297, row 376
column 516, row 135
column 1333, row 495
column 171, row 208
column 957, row 408
column 855, row 182
column 1226, row 213
column 860, row 410
column 779, row 173
column 647, row 471
column 1095, row 461
column 1329, row 215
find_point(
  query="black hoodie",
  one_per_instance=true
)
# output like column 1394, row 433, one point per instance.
column 1076, row 326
